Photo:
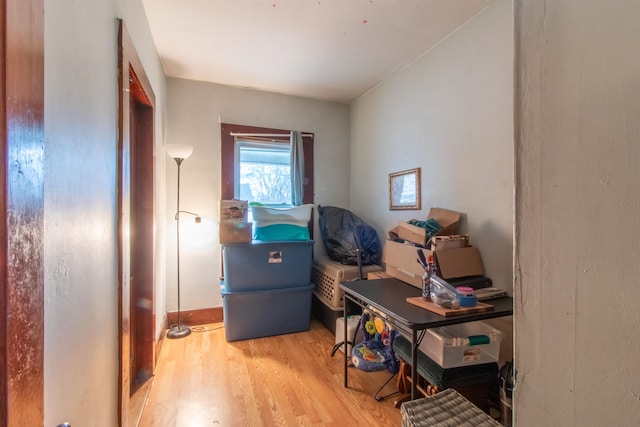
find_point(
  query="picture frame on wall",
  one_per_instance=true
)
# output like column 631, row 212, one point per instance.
column 404, row 190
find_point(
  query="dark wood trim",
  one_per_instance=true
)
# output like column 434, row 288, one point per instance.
column 4, row 383
column 22, row 207
column 164, row 327
column 197, row 317
column 123, row 196
column 136, row 145
column 142, row 238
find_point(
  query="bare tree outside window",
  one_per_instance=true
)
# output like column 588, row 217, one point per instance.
column 265, row 183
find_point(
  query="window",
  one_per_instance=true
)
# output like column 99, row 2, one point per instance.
column 262, row 172
column 256, row 153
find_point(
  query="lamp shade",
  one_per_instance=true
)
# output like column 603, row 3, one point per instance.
column 179, row 151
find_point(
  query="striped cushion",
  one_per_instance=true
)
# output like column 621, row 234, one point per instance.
column 445, row 409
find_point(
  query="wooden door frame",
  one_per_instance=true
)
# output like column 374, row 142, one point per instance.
column 142, row 234
column 22, row 207
column 134, row 89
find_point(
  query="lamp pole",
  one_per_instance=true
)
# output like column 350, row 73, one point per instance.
column 179, row 152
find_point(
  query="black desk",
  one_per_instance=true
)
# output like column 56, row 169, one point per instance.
column 389, row 297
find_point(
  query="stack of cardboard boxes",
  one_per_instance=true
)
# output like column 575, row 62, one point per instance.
column 470, row 370
column 456, row 259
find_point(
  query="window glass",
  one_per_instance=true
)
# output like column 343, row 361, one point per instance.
column 263, row 172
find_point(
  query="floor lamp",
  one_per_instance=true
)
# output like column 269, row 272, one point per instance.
column 179, row 152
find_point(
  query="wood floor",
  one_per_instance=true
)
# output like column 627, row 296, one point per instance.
column 286, row 380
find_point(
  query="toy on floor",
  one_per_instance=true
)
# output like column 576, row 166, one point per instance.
column 375, row 352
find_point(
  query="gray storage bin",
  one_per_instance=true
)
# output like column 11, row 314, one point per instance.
column 266, row 313
column 266, row 265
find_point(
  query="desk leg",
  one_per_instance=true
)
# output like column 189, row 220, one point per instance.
column 414, row 364
column 345, row 340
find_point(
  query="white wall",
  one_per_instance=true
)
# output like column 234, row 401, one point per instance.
column 195, row 111
column 81, row 284
column 451, row 114
column 577, row 227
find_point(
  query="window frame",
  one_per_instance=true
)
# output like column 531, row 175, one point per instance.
column 227, row 158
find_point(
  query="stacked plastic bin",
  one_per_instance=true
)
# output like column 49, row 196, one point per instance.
column 462, row 356
column 267, row 288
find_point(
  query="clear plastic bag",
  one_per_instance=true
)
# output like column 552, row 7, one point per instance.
column 442, row 293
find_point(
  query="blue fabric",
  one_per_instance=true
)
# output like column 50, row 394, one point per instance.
column 345, row 235
column 375, row 352
column 369, row 356
column 297, row 169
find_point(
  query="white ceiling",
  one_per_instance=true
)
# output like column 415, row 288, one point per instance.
column 333, row 50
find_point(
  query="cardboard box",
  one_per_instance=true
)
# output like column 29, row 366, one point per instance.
column 412, row 233
column 448, row 221
column 454, row 241
column 401, row 262
column 378, row 275
column 237, row 210
column 461, row 262
column 233, row 231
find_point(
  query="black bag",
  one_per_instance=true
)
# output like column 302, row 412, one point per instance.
column 343, row 233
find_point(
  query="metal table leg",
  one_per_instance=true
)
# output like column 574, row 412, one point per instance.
column 414, row 364
column 346, row 359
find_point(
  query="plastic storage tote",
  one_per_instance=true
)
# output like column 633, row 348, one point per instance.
column 266, row 313
column 298, row 215
column 281, row 223
column 266, row 265
column 463, row 344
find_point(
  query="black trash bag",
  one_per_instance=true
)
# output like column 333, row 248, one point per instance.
column 344, row 232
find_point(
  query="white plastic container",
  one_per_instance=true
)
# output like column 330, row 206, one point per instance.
column 450, row 346
column 272, row 224
column 352, row 325
column 299, row 215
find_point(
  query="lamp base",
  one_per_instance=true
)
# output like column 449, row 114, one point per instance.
column 178, row 331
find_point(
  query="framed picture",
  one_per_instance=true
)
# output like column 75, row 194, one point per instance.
column 404, row 190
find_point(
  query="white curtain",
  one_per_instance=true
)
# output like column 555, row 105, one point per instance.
column 297, row 168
